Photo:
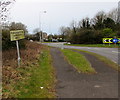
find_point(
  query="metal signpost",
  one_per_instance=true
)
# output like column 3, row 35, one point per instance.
column 15, row 36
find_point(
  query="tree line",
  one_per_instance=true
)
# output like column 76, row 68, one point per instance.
column 91, row 31
column 86, row 31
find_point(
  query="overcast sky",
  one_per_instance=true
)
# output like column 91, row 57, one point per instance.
column 59, row 13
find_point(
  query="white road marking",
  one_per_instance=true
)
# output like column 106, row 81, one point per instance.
column 96, row 48
column 97, row 86
column 115, row 52
column 114, row 61
column 89, row 48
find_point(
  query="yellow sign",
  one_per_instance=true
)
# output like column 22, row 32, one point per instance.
column 118, row 40
column 107, row 40
column 111, row 40
column 17, row 35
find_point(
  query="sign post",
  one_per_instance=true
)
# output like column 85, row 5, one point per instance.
column 18, row 52
column 15, row 36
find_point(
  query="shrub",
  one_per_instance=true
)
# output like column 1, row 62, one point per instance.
column 84, row 36
column 7, row 44
column 107, row 32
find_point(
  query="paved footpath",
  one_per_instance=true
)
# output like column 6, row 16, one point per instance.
column 72, row 84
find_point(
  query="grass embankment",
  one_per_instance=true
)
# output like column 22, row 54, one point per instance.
column 96, row 45
column 78, row 61
column 104, row 59
column 34, row 79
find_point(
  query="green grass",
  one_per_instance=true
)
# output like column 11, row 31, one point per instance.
column 78, row 61
column 96, row 45
column 36, row 77
column 104, row 59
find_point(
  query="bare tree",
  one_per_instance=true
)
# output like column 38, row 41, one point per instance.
column 73, row 25
column 97, row 21
column 118, row 12
column 5, row 6
column 84, row 23
column 113, row 14
column 62, row 31
column 18, row 26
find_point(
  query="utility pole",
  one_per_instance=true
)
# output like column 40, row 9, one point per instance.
column 40, row 24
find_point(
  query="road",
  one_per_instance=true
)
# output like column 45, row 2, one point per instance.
column 110, row 53
column 73, row 84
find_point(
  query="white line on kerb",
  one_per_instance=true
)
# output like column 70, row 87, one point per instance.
column 88, row 48
column 115, row 52
column 96, row 48
column 114, row 61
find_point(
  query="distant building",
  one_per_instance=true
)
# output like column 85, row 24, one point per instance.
column 119, row 11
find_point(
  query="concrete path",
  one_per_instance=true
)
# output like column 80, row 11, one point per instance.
column 72, row 84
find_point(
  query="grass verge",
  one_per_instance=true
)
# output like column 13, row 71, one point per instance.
column 34, row 78
column 104, row 59
column 96, row 45
column 78, row 61
column 40, row 83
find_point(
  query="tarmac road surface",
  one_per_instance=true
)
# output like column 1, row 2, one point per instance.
column 71, row 84
column 111, row 53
